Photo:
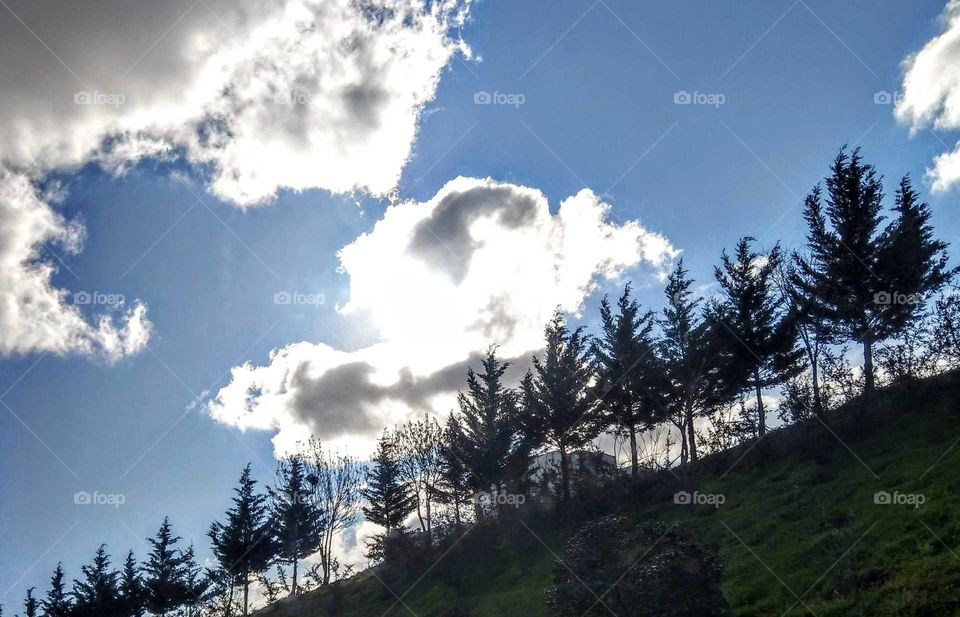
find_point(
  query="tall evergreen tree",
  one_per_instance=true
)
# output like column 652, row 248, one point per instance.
column 813, row 328
column 916, row 260
column 97, row 594
column 133, row 593
column 867, row 280
column 244, row 545
column 196, row 583
column 557, row 394
column 491, row 443
column 57, row 602
column 389, row 500
column 295, row 514
column 165, row 573
column 629, row 374
column 456, row 477
column 759, row 330
column 694, row 359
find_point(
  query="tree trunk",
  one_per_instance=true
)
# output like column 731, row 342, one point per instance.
column 681, row 426
column 429, row 522
column 477, row 509
column 325, row 561
column 868, row 383
column 817, row 402
column 691, row 434
column 229, row 611
column 761, row 414
column 564, row 473
column 634, row 465
column 423, row 526
column 293, row 585
column 456, row 508
column 328, row 557
column 246, row 593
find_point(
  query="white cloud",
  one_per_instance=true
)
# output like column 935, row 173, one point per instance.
column 261, row 96
column 931, row 93
column 290, row 94
column 34, row 315
column 482, row 262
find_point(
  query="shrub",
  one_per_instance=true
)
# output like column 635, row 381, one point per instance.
column 653, row 571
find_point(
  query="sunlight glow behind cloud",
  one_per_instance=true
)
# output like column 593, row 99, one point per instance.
column 481, row 262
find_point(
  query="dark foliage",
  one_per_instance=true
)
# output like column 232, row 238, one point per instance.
column 653, row 572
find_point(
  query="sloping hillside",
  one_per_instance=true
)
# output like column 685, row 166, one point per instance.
column 799, row 530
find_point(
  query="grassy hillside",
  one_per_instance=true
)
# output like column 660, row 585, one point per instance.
column 799, row 520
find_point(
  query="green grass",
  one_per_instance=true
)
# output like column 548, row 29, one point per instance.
column 799, row 519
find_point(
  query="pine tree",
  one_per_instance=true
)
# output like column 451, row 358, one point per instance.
column 629, row 373
column 195, row 582
column 916, row 262
column 694, row 359
column 244, row 545
column 97, row 595
column 389, row 500
column 455, row 484
column 295, row 513
column 31, row 605
column 758, row 328
column 166, row 573
column 869, row 282
column 57, row 603
column 557, row 394
column 813, row 328
column 132, row 590
column 491, row 445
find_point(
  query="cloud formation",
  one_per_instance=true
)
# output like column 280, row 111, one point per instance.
column 34, row 315
column 931, row 93
column 481, row 262
column 261, row 96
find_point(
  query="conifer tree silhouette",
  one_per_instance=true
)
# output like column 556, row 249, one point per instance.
column 757, row 328
column 244, row 545
column 557, row 395
column 57, row 602
column 629, row 372
column 297, row 521
column 165, row 573
column 97, row 593
column 869, row 281
column 389, row 500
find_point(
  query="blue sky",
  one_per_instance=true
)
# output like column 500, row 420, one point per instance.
column 598, row 83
